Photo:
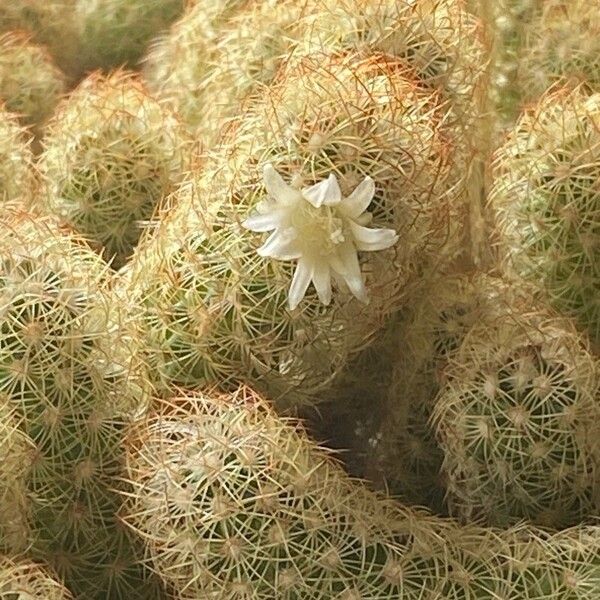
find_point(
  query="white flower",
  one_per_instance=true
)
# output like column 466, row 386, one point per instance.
column 321, row 230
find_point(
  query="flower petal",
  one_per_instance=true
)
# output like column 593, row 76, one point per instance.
column 302, row 276
column 322, row 281
column 325, row 192
column 357, row 202
column 368, row 239
column 277, row 188
column 347, row 266
column 263, row 222
column 281, row 246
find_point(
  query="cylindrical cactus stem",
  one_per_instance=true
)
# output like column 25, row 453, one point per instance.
column 212, row 61
column 507, row 22
column 110, row 155
column 518, row 421
column 30, row 84
column 221, row 305
column 234, row 502
column 23, row 579
column 67, row 374
column 546, row 201
column 18, row 182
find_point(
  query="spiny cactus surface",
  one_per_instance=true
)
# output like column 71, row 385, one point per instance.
column 208, row 75
column 110, row 155
column 51, row 23
column 15, row 453
column 546, row 201
column 518, row 421
column 17, row 178
column 67, row 373
column 30, row 84
column 24, row 580
column 561, row 42
column 218, row 308
column 114, row 33
column 234, row 502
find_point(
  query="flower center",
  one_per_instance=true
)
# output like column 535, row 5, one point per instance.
column 319, row 230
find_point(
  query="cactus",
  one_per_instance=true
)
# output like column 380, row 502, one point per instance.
column 24, row 580
column 427, row 335
column 440, row 39
column 544, row 564
column 546, row 202
column 518, row 422
column 114, row 33
column 17, row 178
column 51, row 23
column 561, row 42
column 384, row 399
column 67, row 373
column 14, row 455
column 207, row 77
column 216, row 311
column 110, row 155
column 30, row 83
column 210, row 61
column 234, row 502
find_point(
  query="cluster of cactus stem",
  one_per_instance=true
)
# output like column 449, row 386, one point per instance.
column 234, row 502
column 213, row 61
column 299, row 299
